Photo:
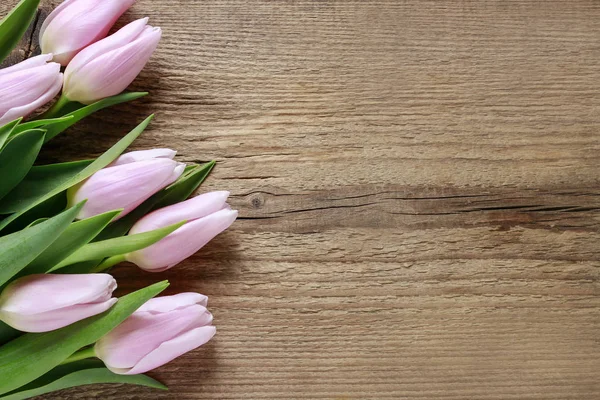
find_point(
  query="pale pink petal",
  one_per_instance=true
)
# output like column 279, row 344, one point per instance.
column 36, row 294
column 32, row 62
column 182, row 243
column 55, row 319
column 142, row 155
column 25, row 110
column 189, row 210
column 169, row 303
column 171, row 349
column 23, row 87
column 54, row 13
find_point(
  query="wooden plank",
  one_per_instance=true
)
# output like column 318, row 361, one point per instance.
column 418, row 187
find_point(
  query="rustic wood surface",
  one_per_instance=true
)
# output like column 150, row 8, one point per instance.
column 419, row 195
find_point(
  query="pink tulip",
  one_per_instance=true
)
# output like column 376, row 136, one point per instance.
column 207, row 215
column 26, row 86
column 75, row 24
column 125, row 184
column 108, row 66
column 161, row 330
column 42, row 303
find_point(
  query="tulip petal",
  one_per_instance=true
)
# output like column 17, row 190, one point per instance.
column 169, row 303
column 143, row 155
column 32, row 62
column 36, row 294
column 182, row 243
column 61, row 7
column 55, row 319
column 189, row 210
column 111, row 72
column 26, row 86
column 143, row 332
column 23, row 111
column 172, row 349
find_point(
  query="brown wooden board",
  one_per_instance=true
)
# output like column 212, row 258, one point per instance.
column 419, row 195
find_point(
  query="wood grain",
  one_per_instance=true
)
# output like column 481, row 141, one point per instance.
column 419, row 191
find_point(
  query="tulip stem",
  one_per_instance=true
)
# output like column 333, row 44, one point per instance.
column 55, row 110
column 82, row 354
column 109, row 263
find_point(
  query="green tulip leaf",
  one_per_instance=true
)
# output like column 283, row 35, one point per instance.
column 7, row 333
column 35, row 189
column 7, row 130
column 39, row 181
column 25, row 126
column 17, row 157
column 14, row 25
column 175, row 193
column 117, row 246
column 78, row 234
column 32, row 355
column 57, row 127
column 17, row 250
column 85, row 372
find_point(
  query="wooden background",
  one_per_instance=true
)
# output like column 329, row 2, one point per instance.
column 419, row 195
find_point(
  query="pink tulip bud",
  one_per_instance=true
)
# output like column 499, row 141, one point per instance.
column 124, row 185
column 108, row 66
column 161, row 330
column 75, row 24
column 207, row 215
column 26, row 86
column 42, row 303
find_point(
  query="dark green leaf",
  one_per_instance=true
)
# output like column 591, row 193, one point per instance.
column 34, row 354
column 178, row 191
column 7, row 333
column 17, row 157
column 117, row 246
column 78, row 234
column 84, row 111
column 28, row 194
column 39, row 181
column 44, row 210
column 40, row 123
column 19, row 249
column 14, row 25
column 6, row 131
column 85, row 372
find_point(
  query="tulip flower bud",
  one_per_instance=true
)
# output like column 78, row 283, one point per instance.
column 161, row 330
column 108, row 66
column 42, row 303
column 125, row 185
column 75, row 24
column 26, row 86
column 207, row 215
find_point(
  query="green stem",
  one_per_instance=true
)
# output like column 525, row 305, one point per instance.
column 108, row 263
column 82, row 354
column 55, row 110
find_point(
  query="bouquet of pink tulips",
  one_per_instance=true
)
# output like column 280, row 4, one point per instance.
column 64, row 226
